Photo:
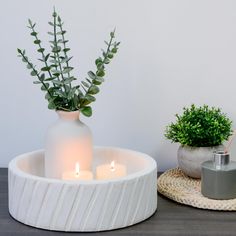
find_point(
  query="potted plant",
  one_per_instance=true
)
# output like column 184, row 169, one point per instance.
column 200, row 131
column 69, row 140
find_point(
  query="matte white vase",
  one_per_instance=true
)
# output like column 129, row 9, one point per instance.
column 191, row 158
column 68, row 141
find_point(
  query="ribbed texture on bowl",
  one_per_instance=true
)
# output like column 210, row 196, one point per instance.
column 96, row 206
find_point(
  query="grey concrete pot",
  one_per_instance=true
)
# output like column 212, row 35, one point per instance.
column 191, row 158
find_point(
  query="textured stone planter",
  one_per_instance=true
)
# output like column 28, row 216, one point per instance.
column 92, row 205
column 191, row 158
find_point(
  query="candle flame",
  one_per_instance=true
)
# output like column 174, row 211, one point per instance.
column 77, row 168
column 113, row 166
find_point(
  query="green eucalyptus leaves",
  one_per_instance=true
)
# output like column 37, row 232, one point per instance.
column 55, row 76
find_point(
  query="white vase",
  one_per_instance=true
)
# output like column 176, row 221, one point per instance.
column 68, row 143
column 191, row 158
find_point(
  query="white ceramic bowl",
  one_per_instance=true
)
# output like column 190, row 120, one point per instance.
column 93, row 205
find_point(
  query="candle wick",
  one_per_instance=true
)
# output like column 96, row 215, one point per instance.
column 112, row 166
column 77, row 169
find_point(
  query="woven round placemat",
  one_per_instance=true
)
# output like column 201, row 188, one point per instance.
column 177, row 186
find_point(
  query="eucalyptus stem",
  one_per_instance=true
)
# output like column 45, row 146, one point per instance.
column 40, row 47
column 64, row 44
column 108, row 48
column 56, row 45
column 54, row 31
column 104, row 59
column 36, row 73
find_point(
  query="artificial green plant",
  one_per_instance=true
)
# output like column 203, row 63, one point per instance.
column 200, row 127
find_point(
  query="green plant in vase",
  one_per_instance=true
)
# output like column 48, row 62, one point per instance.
column 55, row 76
column 200, row 127
column 69, row 141
column 200, row 131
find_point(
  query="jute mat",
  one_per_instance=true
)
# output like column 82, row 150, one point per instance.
column 177, row 186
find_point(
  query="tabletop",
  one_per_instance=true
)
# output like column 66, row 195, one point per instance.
column 170, row 218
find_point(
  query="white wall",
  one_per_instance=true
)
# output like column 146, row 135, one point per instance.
column 173, row 53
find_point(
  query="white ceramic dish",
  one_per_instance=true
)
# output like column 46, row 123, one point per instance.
column 93, row 205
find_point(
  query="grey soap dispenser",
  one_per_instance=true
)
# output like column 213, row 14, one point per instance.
column 218, row 177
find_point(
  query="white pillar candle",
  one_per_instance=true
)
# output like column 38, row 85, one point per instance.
column 77, row 174
column 110, row 171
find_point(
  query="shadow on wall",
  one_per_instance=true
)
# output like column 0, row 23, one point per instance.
column 166, row 155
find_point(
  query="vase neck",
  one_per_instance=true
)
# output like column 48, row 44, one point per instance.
column 68, row 115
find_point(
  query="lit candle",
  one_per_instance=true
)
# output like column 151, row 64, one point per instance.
column 77, row 174
column 110, row 171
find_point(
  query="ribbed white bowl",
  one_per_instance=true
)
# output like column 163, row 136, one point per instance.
column 85, row 205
